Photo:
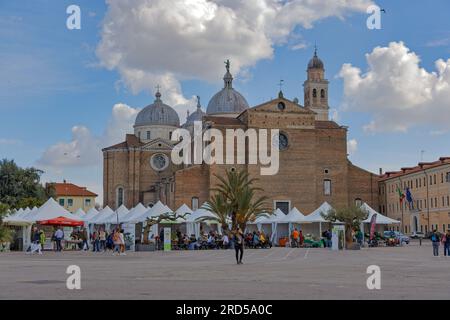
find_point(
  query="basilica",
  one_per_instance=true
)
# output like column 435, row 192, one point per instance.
column 313, row 159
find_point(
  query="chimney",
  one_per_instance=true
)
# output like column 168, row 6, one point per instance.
column 64, row 181
column 381, row 171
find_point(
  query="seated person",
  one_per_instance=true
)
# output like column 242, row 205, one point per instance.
column 255, row 239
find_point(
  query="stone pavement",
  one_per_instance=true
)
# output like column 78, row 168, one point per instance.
column 409, row 272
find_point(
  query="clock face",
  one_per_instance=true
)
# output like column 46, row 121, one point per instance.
column 159, row 162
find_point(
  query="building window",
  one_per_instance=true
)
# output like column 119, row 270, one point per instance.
column 194, row 203
column 322, row 93
column 443, row 228
column 61, row 202
column 139, row 136
column 314, row 93
column 148, row 135
column 120, row 197
column 358, row 202
column 442, row 178
column 284, row 206
column 170, row 135
column 421, row 228
column 431, row 180
column 87, row 202
column 434, row 179
column 70, row 202
column 327, row 187
column 447, row 177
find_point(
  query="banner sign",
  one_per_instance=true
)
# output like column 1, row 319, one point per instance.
column 167, row 239
column 373, row 223
column 129, row 232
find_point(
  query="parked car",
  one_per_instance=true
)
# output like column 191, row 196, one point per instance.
column 417, row 235
column 397, row 235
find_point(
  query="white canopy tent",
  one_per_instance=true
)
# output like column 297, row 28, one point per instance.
column 293, row 218
column 276, row 219
column 118, row 215
column 316, row 217
column 50, row 210
column 194, row 220
column 158, row 209
column 105, row 213
column 91, row 214
column 80, row 214
column 380, row 218
column 135, row 212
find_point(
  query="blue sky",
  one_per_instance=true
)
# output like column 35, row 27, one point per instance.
column 53, row 80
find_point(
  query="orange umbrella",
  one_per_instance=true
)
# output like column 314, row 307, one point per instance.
column 62, row 221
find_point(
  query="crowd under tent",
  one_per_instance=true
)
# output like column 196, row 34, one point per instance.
column 202, row 221
column 315, row 222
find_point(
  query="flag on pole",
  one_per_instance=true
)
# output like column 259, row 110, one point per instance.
column 401, row 195
column 409, row 198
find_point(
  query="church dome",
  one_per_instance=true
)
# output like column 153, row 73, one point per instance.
column 157, row 113
column 315, row 62
column 197, row 115
column 227, row 100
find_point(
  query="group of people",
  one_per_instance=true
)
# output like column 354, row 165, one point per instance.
column 38, row 239
column 257, row 239
column 437, row 238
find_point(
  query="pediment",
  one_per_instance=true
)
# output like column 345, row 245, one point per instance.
column 281, row 105
column 157, row 145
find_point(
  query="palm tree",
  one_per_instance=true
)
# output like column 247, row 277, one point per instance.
column 234, row 199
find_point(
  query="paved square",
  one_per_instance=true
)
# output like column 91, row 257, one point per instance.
column 409, row 272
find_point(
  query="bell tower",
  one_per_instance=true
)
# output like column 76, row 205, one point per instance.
column 316, row 88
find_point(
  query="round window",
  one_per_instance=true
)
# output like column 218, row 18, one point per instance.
column 281, row 141
column 159, row 162
column 281, row 106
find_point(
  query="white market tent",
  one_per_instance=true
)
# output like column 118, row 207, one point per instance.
column 135, row 212
column 80, row 214
column 380, row 218
column 119, row 214
column 102, row 215
column 316, row 217
column 50, row 210
column 293, row 218
column 90, row 215
column 155, row 211
column 194, row 220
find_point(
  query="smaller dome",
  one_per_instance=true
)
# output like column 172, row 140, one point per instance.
column 227, row 100
column 315, row 62
column 157, row 113
column 197, row 115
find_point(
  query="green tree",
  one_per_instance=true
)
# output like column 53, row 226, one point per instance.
column 151, row 221
column 236, row 199
column 5, row 233
column 351, row 216
column 21, row 187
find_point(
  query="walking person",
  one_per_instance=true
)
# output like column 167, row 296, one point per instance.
column 435, row 241
column 116, row 241
column 95, row 242
column 84, row 238
column 239, row 245
column 59, row 235
column 329, row 236
column 446, row 243
column 42, row 239
column 35, row 241
column 102, row 239
column 122, row 243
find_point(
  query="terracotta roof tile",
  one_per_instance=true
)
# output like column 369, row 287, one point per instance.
column 420, row 167
column 327, row 125
column 70, row 189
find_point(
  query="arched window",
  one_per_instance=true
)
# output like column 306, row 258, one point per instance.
column 322, row 93
column 194, row 203
column 314, row 93
column 327, row 187
column 358, row 202
column 120, row 197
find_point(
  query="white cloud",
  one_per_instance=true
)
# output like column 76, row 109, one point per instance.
column 152, row 42
column 397, row 91
column 352, row 146
column 5, row 141
column 84, row 149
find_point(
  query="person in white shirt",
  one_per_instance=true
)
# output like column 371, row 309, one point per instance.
column 226, row 241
